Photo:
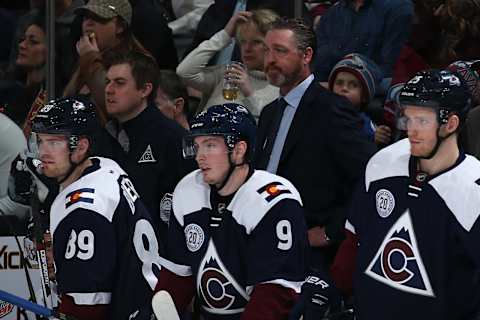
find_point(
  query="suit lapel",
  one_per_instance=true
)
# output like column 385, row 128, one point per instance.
column 269, row 113
column 300, row 120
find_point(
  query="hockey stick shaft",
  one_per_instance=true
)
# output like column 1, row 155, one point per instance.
column 33, row 307
column 164, row 307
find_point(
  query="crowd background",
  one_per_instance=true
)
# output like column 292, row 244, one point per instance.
column 364, row 51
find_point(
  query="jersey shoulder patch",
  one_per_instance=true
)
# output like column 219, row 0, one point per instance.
column 97, row 191
column 460, row 189
column 191, row 194
column 391, row 161
column 258, row 195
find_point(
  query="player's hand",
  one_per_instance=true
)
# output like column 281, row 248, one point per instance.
column 319, row 298
column 86, row 44
column 21, row 189
column 46, row 187
column 383, row 135
column 317, row 237
column 238, row 75
column 239, row 17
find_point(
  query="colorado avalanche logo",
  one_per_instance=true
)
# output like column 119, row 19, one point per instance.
column 398, row 262
column 218, row 290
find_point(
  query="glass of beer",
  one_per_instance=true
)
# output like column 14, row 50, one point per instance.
column 230, row 88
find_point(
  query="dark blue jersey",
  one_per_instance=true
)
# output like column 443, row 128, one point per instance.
column 105, row 248
column 419, row 239
column 259, row 236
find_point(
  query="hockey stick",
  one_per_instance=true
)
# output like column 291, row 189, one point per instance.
column 163, row 306
column 24, row 259
column 33, row 307
column 339, row 315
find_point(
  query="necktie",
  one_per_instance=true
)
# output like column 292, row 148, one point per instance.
column 118, row 132
column 272, row 134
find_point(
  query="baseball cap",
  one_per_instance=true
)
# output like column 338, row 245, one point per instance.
column 108, row 9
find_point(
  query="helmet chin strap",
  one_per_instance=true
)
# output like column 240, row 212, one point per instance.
column 231, row 168
column 73, row 166
column 437, row 145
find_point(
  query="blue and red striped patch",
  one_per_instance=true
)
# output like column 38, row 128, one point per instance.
column 80, row 195
column 272, row 190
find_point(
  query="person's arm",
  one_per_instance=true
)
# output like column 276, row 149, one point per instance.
column 277, row 253
column 193, row 69
column 88, row 296
column 93, row 73
column 176, row 274
column 343, row 266
column 325, row 57
column 180, row 288
column 269, row 302
column 90, row 72
column 82, row 312
column 187, row 24
column 396, row 31
column 351, row 150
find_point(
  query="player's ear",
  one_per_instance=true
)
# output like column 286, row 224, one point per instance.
column 452, row 123
column 240, row 151
column 81, row 151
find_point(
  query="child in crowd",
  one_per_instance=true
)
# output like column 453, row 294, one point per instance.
column 356, row 77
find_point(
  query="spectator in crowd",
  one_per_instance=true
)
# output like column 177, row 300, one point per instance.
column 150, row 27
column 187, row 14
column 422, row 48
column 375, row 28
column 172, row 98
column 469, row 136
column 249, row 29
column 66, row 56
column 310, row 136
column 220, row 12
column 106, row 30
column 152, row 142
column 460, row 36
column 24, row 86
column 412, row 232
column 12, row 142
column 101, row 231
column 233, row 226
column 357, row 78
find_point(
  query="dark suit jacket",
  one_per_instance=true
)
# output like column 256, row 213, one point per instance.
column 324, row 155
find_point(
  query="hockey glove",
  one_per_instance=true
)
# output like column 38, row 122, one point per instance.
column 319, row 299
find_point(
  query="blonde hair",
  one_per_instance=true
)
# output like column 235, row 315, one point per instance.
column 261, row 19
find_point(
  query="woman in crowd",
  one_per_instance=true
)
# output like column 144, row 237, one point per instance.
column 24, row 86
column 105, row 32
column 249, row 29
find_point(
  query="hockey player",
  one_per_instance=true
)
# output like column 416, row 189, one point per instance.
column 238, row 239
column 414, row 220
column 105, row 248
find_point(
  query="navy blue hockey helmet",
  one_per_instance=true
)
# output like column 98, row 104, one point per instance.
column 442, row 90
column 72, row 116
column 231, row 120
